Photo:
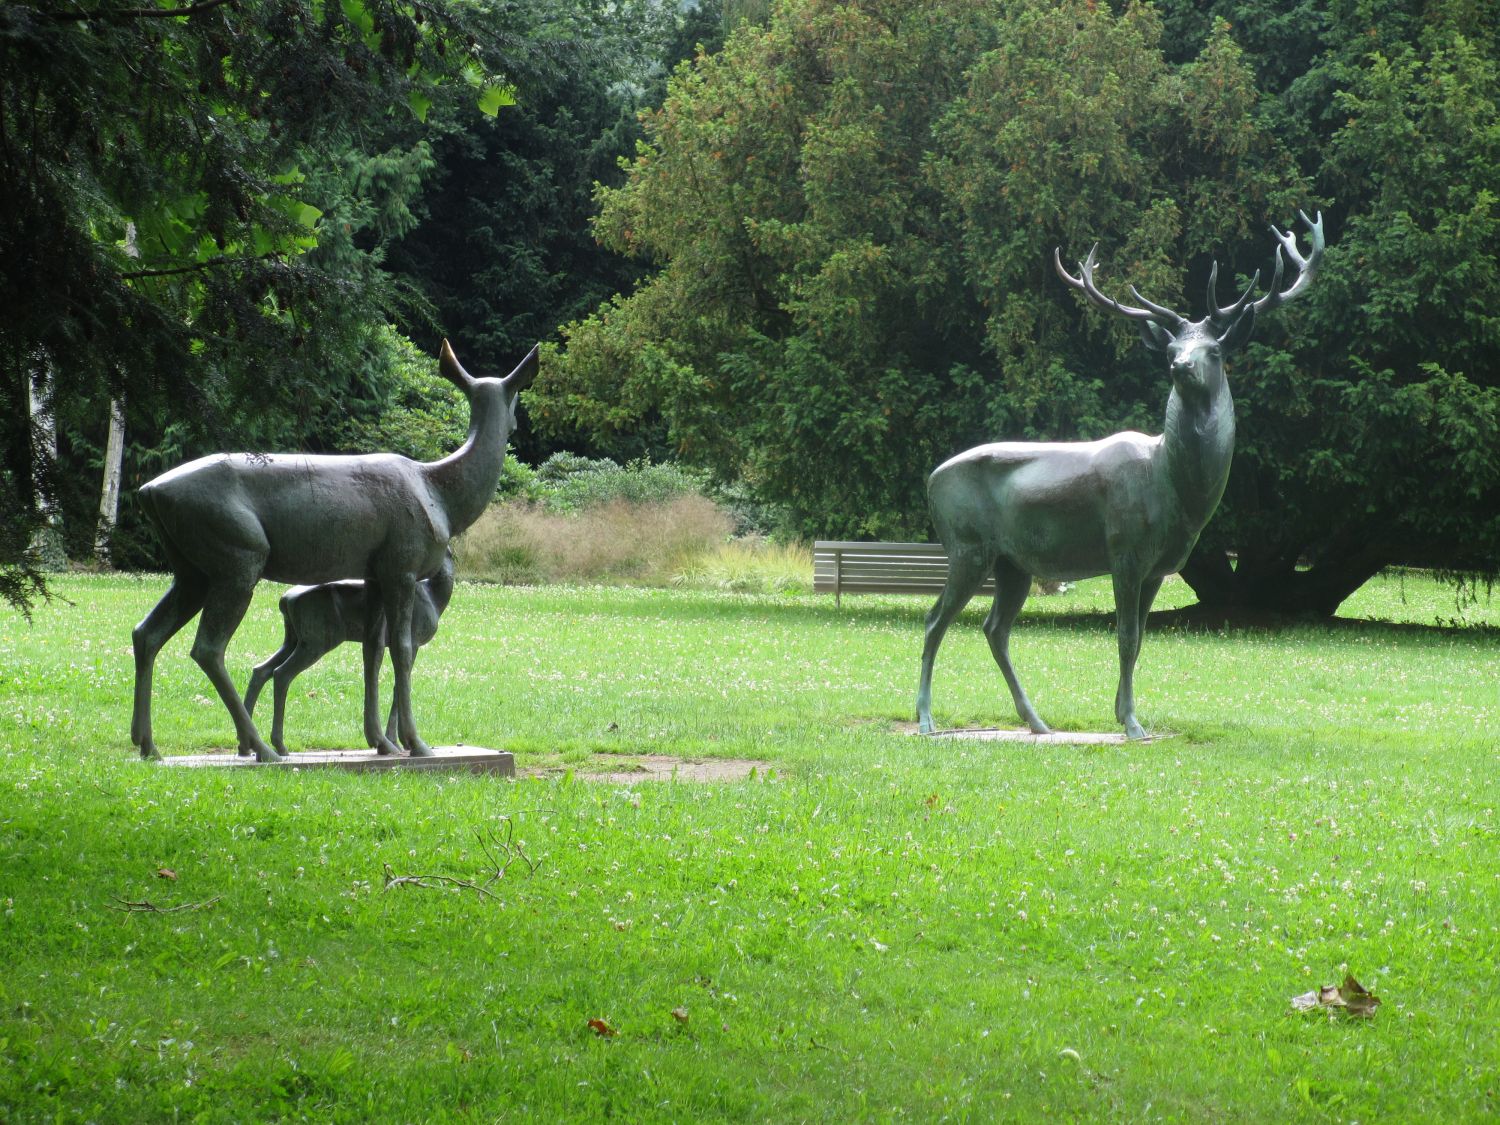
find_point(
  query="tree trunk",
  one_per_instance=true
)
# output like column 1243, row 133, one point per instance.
column 109, row 499
column 1265, row 583
column 47, row 543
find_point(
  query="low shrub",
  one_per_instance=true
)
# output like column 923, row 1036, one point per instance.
column 566, row 482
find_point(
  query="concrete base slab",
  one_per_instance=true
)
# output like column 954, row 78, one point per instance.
column 1062, row 737
column 466, row 759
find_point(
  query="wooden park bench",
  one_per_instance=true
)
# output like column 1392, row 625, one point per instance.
column 841, row 568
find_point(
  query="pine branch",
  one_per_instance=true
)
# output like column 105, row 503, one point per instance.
column 138, row 13
column 198, row 267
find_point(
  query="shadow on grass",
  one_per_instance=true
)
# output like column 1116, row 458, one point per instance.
column 1188, row 619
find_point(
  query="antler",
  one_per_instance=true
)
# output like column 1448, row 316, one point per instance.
column 1224, row 317
column 1306, row 267
column 1084, row 283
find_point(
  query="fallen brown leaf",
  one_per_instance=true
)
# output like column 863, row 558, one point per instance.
column 1351, row 998
column 166, row 873
column 602, row 1029
column 1359, row 1000
column 680, row 1014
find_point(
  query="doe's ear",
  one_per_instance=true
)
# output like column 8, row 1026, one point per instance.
column 1154, row 336
column 1238, row 333
column 525, row 372
column 452, row 370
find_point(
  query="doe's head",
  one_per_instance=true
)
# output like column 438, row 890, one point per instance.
column 485, row 387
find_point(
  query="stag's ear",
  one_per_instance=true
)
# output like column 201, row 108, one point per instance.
column 525, row 372
column 1238, row 333
column 453, row 371
column 1155, row 337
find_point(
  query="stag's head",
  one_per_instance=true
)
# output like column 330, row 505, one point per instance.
column 1196, row 347
column 487, row 393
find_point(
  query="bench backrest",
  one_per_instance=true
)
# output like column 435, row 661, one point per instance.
column 881, row 568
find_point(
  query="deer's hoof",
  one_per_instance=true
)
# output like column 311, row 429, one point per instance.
column 419, row 749
column 1134, row 730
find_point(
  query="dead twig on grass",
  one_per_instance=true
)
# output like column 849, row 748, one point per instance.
column 502, row 852
column 510, row 846
column 146, row 907
column 433, row 881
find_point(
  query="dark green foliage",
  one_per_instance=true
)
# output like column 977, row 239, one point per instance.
column 853, row 209
column 192, row 210
column 1371, row 419
column 418, row 414
column 505, row 254
column 851, row 212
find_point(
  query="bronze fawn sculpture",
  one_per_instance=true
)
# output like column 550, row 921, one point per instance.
column 1129, row 505
column 317, row 619
column 228, row 520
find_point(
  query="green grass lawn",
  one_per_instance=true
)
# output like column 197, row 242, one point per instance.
column 877, row 927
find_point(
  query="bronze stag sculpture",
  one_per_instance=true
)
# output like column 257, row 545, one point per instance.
column 1130, row 506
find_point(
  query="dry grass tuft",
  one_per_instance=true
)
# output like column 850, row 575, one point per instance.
column 620, row 541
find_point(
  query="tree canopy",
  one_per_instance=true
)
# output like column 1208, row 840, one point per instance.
column 194, row 202
column 849, row 214
column 821, row 267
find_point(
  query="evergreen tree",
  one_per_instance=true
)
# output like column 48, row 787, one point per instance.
column 192, row 202
column 850, row 213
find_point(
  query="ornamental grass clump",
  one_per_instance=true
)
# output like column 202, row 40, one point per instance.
column 616, row 541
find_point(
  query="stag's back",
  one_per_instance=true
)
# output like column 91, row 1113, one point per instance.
column 1043, row 505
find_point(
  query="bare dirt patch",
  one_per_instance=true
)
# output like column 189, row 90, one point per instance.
column 620, row 769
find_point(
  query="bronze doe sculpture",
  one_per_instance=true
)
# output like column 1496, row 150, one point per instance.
column 1129, row 505
column 317, row 619
column 228, row 520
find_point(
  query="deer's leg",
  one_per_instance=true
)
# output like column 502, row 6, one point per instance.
column 264, row 670
column 374, row 653
column 390, row 723
column 183, row 599
column 965, row 575
column 223, row 610
column 1133, row 599
column 1012, row 586
column 399, row 599
column 302, row 657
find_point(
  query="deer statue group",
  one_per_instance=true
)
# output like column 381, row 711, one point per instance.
column 1129, row 505
column 317, row 619
column 229, row 520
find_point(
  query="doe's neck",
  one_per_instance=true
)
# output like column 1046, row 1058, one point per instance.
column 465, row 480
